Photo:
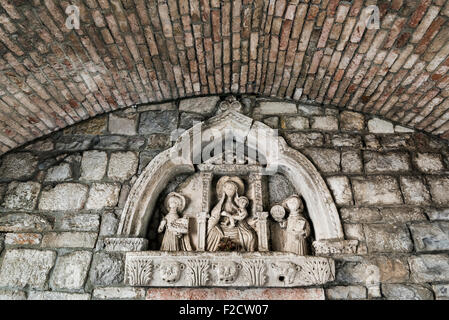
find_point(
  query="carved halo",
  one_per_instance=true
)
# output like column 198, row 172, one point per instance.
column 181, row 198
column 239, row 182
column 300, row 204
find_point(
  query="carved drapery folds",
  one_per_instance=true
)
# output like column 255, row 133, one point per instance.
column 218, row 229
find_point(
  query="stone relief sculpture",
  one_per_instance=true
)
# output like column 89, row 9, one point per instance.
column 298, row 228
column 224, row 235
column 171, row 271
column 227, row 271
column 176, row 228
column 228, row 218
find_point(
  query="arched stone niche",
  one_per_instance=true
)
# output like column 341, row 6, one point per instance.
column 266, row 153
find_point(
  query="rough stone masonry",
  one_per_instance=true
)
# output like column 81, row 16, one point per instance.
column 61, row 195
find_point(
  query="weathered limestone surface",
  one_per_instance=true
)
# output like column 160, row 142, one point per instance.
column 406, row 292
column 51, row 295
column 21, row 222
column 295, row 122
column 123, row 123
column 352, row 121
column 21, row 268
column 93, row 165
column 22, row 195
column 122, row 165
column 429, row 162
column 69, row 240
column 346, row 293
column 267, row 108
column 107, row 269
column 204, row 105
column 429, row 267
column 21, row 239
column 18, row 166
column 327, row 160
column 65, row 196
column 12, row 295
column 431, row 236
column 441, row 291
column 102, row 195
column 388, row 238
column 377, row 190
column 341, row 189
column 119, row 293
column 59, row 173
column 389, row 162
column 438, row 190
column 158, row 122
column 78, row 222
column 71, row 270
column 380, row 126
column 326, row 123
column 414, row 191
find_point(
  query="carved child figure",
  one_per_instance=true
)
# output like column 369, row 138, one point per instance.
column 298, row 228
column 242, row 213
column 176, row 236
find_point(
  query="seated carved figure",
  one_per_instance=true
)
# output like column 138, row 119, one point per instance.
column 228, row 217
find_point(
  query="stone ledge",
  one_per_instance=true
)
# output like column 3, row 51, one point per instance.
column 335, row 247
column 235, row 294
column 125, row 244
column 226, row 269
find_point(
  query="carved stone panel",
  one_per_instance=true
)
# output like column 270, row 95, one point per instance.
column 223, row 269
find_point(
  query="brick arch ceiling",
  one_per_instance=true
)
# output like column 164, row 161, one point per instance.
column 137, row 51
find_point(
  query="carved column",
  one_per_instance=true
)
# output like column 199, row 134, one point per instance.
column 262, row 224
column 206, row 179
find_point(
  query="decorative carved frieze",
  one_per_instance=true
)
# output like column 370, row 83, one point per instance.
column 223, row 269
column 138, row 271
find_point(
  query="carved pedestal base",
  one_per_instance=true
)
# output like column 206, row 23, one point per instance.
column 223, row 269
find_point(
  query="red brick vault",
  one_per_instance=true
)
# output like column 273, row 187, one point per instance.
column 133, row 52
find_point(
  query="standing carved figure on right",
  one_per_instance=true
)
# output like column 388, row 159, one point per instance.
column 298, row 228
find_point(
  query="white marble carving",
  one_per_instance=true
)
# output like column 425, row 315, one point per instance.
column 228, row 269
column 175, row 228
column 198, row 272
column 171, row 271
column 289, row 162
column 216, row 229
column 228, row 218
column 139, row 271
column 255, row 272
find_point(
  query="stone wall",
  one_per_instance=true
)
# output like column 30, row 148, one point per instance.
column 62, row 195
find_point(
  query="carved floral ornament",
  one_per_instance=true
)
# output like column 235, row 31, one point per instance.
column 221, row 232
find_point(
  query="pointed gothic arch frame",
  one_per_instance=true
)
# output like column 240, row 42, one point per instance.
column 291, row 163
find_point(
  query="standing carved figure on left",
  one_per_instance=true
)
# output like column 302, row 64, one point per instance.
column 176, row 237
